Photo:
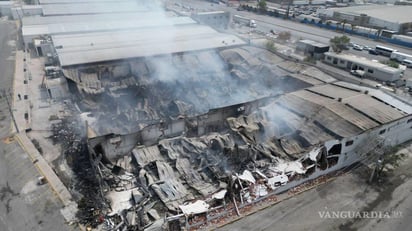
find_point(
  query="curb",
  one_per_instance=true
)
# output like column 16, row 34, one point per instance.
column 34, row 161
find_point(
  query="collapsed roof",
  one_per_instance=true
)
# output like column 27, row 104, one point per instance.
column 189, row 84
column 271, row 137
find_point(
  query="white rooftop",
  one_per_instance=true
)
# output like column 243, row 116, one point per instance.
column 43, row 2
column 132, row 16
column 93, row 8
column 76, row 49
column 364, row 61
column 94, row 25
column 392, row 13
column 313, row 43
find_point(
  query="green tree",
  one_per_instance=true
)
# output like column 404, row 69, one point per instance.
column 262, row 6
column 339, row 43
column 391, row 63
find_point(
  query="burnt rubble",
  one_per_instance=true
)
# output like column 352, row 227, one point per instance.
column 218, row 173
column 146, row 91
column 69, row 133
column 208, row 141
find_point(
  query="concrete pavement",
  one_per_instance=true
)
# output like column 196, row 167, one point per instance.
column 24, row 205
column 27, row 94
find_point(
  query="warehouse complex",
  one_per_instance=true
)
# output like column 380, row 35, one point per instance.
column 188, row 125
column 393, row 18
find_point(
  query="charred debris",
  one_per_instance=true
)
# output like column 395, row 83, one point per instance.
column 69, row 132
column 186, row 160
column 194, row 172
column 144, row 91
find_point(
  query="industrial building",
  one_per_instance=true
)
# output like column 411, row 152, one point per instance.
column 5, row 8
column 388, row 17
column 77, row 49
column 371, row 69
column 312, row 48
column 204, row 168
column 40, row 27
column 82, row 7
column 188, row 125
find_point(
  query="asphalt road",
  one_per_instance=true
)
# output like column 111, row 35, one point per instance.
column 266, row 23
column 7, row 43
column 298, row 30
column 24, row 205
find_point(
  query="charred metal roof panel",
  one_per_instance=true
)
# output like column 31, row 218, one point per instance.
column 334, row 92
column 317, row 74
column 144, row 156
column 92, row 8
column 388, row 98
column 374, row 108
column 336, row 124
column 321, row 116
column 347, row 113
column 290, row 66
column 307, row 79
column 75, row 49
column 352, row 116
column 298, row 105
column 313, row 134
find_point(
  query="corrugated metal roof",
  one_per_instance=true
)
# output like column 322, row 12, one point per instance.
column 340, row 111
column 43, row 2
column 338, row 108
column 102, row 25
column 395, row 14
column 317, row 74
column 107, row 46
column 387, row 97
column 374, row 108
column 92, row 8
column 88, row 18
column 334, row 92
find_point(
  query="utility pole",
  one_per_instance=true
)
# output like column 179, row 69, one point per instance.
column 10, row 110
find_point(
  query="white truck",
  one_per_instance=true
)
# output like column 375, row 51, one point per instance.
column 243, row 20
column 398, row 56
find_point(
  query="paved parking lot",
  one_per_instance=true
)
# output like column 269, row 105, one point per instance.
column 24, row 205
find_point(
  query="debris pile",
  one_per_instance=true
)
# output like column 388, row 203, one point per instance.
column 85, row 186
column 133, row 94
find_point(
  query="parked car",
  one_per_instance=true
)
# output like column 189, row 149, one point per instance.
column 373, row 52
column 407, row 63
column 357, row 47
column 357, row 73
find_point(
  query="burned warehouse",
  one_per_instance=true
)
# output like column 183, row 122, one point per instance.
column 234, row 155
column 187, row 125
